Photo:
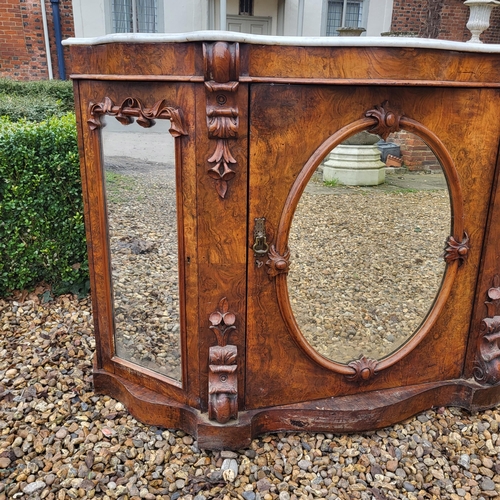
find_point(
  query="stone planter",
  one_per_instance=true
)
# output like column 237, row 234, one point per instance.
column 355, row 162
column 348, row 31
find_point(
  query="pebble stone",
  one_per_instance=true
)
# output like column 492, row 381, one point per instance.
column 59, row 440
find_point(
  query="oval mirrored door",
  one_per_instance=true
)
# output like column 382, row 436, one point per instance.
column 367, row 246
column 141, row 200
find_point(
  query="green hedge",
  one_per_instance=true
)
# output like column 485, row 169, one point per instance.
column 42, row 236
column 35, row 101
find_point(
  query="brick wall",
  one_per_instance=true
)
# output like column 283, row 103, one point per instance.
column 492, row 34
column 22, row 43
column 443, row 19
column 415, row 152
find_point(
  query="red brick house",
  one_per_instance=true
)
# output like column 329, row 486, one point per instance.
column 23, row 52
column 443, row 19
column 23, row 55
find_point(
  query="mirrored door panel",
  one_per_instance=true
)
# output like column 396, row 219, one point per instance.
column 139, row 170
column 367, row 261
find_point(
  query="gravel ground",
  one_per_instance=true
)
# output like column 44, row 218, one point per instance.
column 59, row 440
column 143, row 236
column 365, row 267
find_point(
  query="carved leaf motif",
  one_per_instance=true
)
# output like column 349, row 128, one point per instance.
column 364, row 369
column 277, row 264
column 223, row 355
column 493, row 305
column 223, row 127
column 221, row 172
column 457, row 250
column 387, row 120
column 132, row 108
column 222, row 322
column 487, row 365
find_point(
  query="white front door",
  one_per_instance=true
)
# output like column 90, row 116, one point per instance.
column 249, row 24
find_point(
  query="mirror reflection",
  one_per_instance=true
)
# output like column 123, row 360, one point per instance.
column 141, row 200
column 367, row 244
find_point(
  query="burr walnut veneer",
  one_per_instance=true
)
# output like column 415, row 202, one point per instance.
column 252, row 118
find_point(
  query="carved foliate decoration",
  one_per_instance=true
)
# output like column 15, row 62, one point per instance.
column 222, row 125
column 221, row 75
column 487, row 365
column 222, row 322
column 222, row 373
column 364, row 369
column 456, row 250
column 387, row 120
column 132, row 108
column 277, row 264
column 493, row 304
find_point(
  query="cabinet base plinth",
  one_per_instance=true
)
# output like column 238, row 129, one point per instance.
column 355, row 413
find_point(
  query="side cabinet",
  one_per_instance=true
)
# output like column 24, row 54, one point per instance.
column 302, row 304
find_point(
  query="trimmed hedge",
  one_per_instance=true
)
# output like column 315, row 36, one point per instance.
column 35, row 101
column 42, row 235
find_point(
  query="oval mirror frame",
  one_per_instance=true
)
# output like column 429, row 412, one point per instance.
column 382, row 122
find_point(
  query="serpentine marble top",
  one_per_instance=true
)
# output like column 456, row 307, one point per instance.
column 340, row 41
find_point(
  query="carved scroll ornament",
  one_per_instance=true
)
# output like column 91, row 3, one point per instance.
column 387, row 120
column 222, row 376
column 456, row 250
column 364, row 369
column 487, row 365
column 132, row 108
column 277, row 264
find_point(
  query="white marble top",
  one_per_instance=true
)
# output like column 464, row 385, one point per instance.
column 337, row 41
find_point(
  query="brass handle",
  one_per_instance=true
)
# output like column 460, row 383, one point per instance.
column 260, row 246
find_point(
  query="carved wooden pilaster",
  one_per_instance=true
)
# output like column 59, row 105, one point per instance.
column 222, row 68
column 132, row 108
column 487, row 365
column 222, row 376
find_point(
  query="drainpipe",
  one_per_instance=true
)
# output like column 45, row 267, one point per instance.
column 57, row 28
column 46, row 37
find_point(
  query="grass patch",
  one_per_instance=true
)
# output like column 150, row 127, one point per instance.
column 405, row 191
column 117, row 187
column 332, row 183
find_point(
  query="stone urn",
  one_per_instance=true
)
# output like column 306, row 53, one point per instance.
column 355, row 162
column 479, row 17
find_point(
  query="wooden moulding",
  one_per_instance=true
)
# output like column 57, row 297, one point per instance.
column 381, row 121
column 355, row 413
column 128, row 110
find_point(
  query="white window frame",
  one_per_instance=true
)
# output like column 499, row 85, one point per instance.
column 362, row 23
column 160, row 22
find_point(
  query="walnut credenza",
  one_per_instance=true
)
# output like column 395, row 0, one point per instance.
column 252, row 118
